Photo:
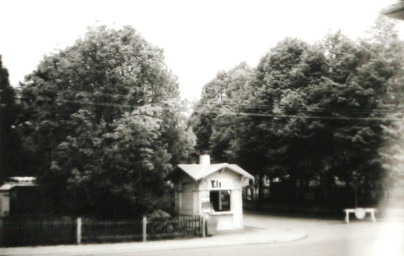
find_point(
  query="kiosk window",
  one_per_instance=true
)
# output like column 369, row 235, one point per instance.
column 220, row 200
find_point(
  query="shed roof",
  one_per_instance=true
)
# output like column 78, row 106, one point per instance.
column 9, row 186
column 198, row 171
column 18, row 182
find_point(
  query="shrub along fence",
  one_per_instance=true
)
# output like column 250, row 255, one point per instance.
column 67, row 230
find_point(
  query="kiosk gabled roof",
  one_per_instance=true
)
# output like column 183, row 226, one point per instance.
column 198, row 172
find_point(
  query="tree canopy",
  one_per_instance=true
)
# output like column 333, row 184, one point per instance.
column 102, row 122
column 212, row 116
column 314, row 113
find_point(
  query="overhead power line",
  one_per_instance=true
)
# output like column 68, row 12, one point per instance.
column 99, row 104
column 306, row 113
column 358, row 110
column 306, row 117
column 386, row 108
column 234, row 113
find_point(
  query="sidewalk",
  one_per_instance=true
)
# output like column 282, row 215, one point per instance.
column 259, row 233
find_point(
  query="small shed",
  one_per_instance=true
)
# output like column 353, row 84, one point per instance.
column 19, row 196
column 211, row 190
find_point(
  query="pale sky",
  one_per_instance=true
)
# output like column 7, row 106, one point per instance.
column 199, row 38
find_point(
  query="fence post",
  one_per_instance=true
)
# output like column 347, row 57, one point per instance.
column 204, row 226
column 144, row 229
column 78, row 230
column 1, row 232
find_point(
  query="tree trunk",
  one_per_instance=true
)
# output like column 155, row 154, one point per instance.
column 292, row 193
column 260, row 198
column 303, row 192
column 348, row 194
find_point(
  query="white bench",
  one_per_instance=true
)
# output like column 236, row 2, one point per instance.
column 360, row 213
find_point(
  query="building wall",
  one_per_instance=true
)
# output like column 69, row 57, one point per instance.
column 186, row 195
column 187, row 199
column 226, row 180
column 237, row 205
column 4, row 204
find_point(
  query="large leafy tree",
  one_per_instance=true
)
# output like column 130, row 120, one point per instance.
column 213, row 120
column 356, row 86
column 108, row 73
column 86, row 125
column 324, row 112
column 385, row 42
column 314, row 113
column 121, row 171
column 280, row 126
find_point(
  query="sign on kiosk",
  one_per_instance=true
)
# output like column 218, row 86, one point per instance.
column 205, row 202
column 220, row 184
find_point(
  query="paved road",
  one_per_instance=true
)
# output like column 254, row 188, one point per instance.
column 324, row 238
column 337, row 247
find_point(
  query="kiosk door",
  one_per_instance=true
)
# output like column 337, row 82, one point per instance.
column 187, row 199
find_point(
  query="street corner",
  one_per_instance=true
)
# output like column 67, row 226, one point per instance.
column 293, row 237
column 279, row 236
column 256, row 235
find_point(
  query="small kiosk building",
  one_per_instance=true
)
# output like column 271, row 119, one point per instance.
column 213, row 191
column 19, row 196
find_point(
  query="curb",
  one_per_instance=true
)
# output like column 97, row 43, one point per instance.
column 169, row 245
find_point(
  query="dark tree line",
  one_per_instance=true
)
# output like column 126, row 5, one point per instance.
column 310, row 117
column 100, row 124
column 11, row 158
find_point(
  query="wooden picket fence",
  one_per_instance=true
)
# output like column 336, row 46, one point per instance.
column 170, row 228
column 36, row 231
column 24, row 232
column 99, row 231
